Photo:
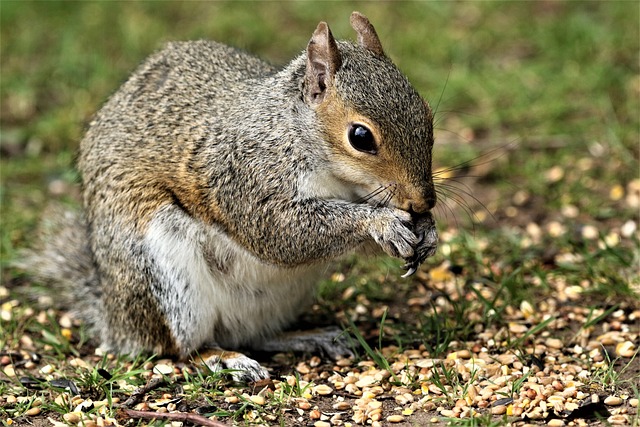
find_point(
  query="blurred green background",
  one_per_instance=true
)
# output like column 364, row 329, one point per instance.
column 553, row 86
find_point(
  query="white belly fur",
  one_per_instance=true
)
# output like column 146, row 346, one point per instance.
column 216, row 293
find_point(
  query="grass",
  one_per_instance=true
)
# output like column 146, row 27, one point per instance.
column 537, row 147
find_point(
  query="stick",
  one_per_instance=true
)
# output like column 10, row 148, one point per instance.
column 139, row 393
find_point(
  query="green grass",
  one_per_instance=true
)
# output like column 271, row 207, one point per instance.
column 538, row 120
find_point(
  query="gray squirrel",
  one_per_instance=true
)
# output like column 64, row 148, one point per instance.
column 217, row 188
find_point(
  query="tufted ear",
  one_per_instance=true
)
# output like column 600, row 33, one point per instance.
column 367, row 36
column 323, row 60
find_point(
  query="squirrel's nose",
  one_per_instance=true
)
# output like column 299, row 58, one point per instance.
column 421, row 206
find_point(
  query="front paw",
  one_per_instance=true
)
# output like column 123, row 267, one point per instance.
column 425, row 228
column 392, row 230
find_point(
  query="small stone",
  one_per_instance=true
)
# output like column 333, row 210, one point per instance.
column 395, row 418
column 613, row 401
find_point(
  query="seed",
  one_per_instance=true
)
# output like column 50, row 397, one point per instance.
column 304, row 405
column 395, row 418
column 619, row 419
column 613, row 401
column 359, row 417
column 365, row 381
column 231, row 399
column 401, row 400
column 499, row 410
column 374, row 404
column 323, row 389
column 376, row 415
column 571, row 406
column 72, row 417
column 517, row 328
column 46, row 370
column 315, row 414
column 257, row 399
column 625, row 349
column 33, row 411
column 472, row 392
column 633, row 403
column 554, row 343
column 556, row 423
column 162, row 369
column 342, row 406
column 321, row 424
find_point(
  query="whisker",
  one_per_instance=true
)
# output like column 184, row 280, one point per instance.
column 445, row 208
column 388, row 197
column 452, row 189
column 470, row 163
column 450, row 192
column 446, row 82
column 371, row 195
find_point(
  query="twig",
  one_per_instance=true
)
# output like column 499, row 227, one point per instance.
column 139, row 393
column 175, row 416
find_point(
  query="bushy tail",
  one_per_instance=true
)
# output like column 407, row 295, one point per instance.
column 62, row 261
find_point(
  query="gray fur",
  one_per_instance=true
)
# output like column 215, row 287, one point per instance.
column 225, row 158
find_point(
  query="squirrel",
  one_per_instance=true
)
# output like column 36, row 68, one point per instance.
column 217, row 188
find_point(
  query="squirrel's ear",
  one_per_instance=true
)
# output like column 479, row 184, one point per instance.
column 323, row 60
column 367, row 36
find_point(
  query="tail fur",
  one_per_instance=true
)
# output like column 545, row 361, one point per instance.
column 62, row 261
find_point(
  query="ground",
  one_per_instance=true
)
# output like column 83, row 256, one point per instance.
column 528, row 314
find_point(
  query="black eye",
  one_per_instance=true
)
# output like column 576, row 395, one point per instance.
column 361, row 138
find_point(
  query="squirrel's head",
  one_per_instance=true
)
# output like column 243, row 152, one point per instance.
column 379, row 129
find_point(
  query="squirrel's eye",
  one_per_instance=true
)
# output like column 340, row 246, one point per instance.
column 361, row 138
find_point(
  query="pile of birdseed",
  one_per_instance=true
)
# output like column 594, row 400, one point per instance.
column 557, row 379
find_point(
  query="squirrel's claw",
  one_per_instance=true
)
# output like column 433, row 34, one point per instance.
column 410, row 271
column 423, row 250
